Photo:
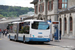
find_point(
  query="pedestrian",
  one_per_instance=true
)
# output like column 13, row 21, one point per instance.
column 60, row 34
column 3, row 32
column 55, row 32
column 6, row 32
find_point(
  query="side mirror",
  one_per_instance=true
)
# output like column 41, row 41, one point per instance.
column 49, row 23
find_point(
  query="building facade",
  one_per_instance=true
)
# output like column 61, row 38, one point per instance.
column 57, row 10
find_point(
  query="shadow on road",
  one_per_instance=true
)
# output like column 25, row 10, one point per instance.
column 31, row 43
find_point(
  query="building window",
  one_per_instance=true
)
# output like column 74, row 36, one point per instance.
column 41, row 7
column 50, row 5
column 41, row 0
column 62, row 4
column 36, row 9
column 70, row 23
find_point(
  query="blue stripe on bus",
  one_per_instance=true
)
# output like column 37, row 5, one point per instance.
column 27, row 39
column 11, row 37
column 40, row 39
column 20, row 38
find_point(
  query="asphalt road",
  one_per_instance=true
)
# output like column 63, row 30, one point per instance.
column 6, row 44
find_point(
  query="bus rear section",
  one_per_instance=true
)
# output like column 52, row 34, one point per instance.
column 39, row 32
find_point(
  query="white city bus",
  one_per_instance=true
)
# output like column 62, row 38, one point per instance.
column 29, row 30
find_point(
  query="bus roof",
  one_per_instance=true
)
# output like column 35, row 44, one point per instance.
column 14, row 22
column 25, row 21
column 32, row 20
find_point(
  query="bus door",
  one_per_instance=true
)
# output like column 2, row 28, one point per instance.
column 56, row 25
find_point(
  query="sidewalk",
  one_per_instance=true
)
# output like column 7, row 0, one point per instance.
column 68, row 37
column 65, row 43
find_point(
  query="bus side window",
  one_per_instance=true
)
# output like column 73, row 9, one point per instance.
column 35, row 25
column 9, row 28
column 14, row 28
column 26, row 29
column 21, row 25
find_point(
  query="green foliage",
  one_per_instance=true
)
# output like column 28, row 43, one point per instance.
column 1, row 15
column 13, row 11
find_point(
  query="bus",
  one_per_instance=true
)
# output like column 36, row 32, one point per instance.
column 29, row 31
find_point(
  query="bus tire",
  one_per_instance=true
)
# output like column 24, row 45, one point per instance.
column 24, row 39
column 15, row 38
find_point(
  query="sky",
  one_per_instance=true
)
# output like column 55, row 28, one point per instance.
column 22, row 3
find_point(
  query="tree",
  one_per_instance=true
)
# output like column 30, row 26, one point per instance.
column 8, row 11
column 1, row 15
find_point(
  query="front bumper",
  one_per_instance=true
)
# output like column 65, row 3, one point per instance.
column 40, row 39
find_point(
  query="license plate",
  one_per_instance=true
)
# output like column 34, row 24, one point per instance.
column 39, row 36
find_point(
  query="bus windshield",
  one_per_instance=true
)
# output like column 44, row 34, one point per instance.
column 40, row 25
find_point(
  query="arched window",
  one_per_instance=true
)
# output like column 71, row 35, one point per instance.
column 65, row 22
column 60, row 24
column 71, row 23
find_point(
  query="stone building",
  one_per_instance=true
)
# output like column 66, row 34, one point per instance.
column 57, row 10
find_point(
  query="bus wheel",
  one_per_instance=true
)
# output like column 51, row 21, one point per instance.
column 15, row 38
column 24, row 39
